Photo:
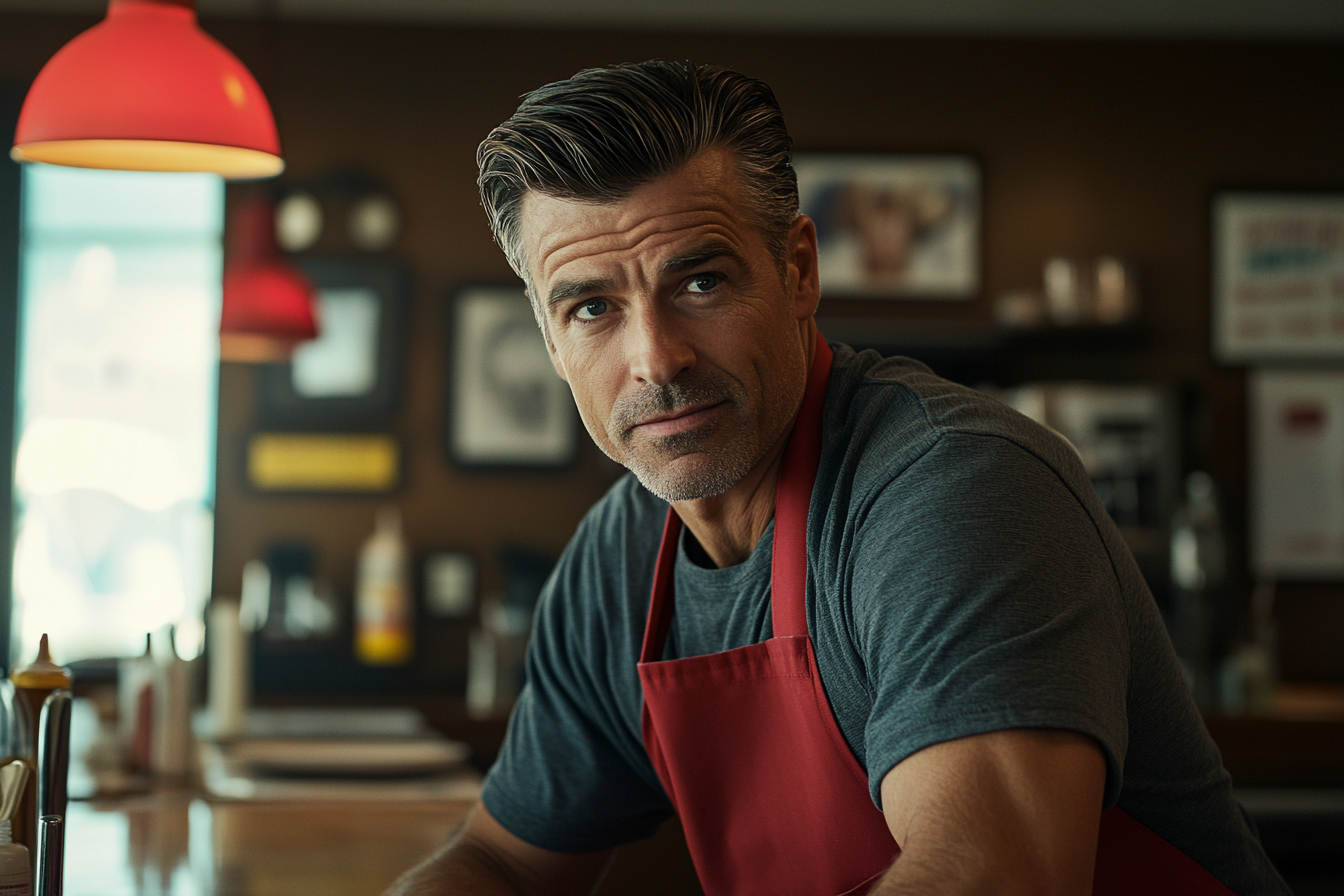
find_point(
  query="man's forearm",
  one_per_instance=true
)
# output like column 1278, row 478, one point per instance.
column 461, row 867
column 950, row 874
column 1012, row 811
column 484, row 859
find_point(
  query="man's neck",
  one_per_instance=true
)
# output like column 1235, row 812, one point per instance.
column 729, row 526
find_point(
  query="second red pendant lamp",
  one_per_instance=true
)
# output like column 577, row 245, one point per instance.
column 268, row 306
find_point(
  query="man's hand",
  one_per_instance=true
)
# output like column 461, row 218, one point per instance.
column 1013, row 811
column 484, row 858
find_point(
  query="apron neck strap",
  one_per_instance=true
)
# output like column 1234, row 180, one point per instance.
column 660, row 606
column 793, row 496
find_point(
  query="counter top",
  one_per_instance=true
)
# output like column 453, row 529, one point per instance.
column 1287, row 766
column 175, row 844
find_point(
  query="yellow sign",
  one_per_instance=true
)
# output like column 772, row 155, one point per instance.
column 323, row 463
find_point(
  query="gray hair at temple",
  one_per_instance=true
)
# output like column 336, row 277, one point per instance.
column 607, row 131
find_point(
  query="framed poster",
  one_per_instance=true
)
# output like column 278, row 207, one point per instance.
column 894, row 226
column 1297, row 473
column 1278, row 276
column 507, row 405
column 348, row 378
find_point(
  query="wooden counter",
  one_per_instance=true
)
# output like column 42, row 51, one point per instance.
column 309, row 839
column 174, row 843
column 177, row 845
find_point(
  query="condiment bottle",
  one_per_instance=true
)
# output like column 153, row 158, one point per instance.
column 34, row 683
column 382, row 601
column 230, row 667
column 136, row 692
column 38, row 679
column 170, row 749
column 16, row 874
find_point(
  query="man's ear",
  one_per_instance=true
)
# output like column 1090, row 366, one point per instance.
column 801, row 257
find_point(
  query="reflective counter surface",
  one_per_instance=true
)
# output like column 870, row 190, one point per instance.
column 178, row 844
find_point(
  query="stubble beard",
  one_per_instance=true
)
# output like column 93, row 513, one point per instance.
column 689, row 465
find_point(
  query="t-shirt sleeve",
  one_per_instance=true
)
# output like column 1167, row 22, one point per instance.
column 572, row 775
column 984, row 599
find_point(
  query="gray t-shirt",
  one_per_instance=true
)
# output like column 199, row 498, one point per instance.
column 962, row 578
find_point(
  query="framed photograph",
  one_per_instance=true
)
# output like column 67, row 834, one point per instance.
column 1278, row 276
column 1297, row 473
column 507, row 405
column 894, row 226
column 348, row 378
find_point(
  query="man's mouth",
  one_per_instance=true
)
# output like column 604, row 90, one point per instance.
column 677, row 421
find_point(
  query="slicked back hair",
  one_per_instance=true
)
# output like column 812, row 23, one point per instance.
column 608, row 131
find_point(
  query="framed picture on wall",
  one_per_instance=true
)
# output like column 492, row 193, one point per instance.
column 1296, row 428
column 894, row 226
column 507, row 407
column 1278, row 276
column 348, row 378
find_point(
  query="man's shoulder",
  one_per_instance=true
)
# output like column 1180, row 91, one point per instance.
column 615, row 544
column 893, row 410
column 626, row 507
column 594, row 603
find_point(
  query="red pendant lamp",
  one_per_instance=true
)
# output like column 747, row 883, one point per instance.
column 147, row 90
column 268, row 306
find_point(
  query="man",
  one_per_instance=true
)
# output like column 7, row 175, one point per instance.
column 888, row 642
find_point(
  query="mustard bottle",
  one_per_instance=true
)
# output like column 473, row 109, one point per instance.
column 32, row 684
column 382, row 599
column 38, row 679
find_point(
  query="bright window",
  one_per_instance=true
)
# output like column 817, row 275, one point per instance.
column 118, row 351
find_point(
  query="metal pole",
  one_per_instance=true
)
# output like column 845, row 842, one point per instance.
column 50, row 856
column 53, row 753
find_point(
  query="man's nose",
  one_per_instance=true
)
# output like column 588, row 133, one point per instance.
column 658, row 348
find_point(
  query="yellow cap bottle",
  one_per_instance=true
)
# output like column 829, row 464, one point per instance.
column 42, row 673
column 382, row 599
column 33, row 683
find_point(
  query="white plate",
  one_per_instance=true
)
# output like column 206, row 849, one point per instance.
column 418, row 756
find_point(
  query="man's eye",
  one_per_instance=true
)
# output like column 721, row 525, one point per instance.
column 703, row 282
column 591, row 310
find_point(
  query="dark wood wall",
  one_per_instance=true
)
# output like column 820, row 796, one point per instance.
column 1086, row 147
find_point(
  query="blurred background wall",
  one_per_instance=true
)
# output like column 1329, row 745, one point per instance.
column 1086, row 146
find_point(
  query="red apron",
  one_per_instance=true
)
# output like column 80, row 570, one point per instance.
column 770, row 796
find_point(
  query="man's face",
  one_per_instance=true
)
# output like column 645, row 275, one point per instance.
column 666, row 314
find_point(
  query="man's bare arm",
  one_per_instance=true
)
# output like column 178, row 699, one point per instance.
column 484, row 859
column 1014, row 811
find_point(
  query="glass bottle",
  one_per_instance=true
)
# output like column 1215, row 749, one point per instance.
column 1198, row 566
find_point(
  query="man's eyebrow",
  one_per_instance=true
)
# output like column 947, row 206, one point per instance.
column 567, row 290
column 700, row 256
